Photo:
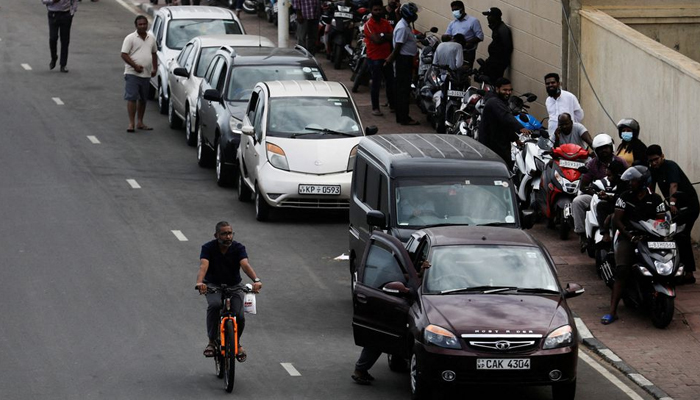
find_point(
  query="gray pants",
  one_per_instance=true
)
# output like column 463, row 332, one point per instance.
column 579, row 207
column 213, row 313
column 307, row 34
column 367, row 359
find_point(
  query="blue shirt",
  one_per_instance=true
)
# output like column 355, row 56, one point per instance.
column 223, row 268
column 468, row 26
column 404, row 34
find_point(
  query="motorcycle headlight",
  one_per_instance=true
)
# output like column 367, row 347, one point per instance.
column 440, row 337
column 560, row 337
column 277, row 157
column 562, row 181
column 351, row 159
column 664, row 268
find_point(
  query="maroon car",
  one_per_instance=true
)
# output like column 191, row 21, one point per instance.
column 488, row 310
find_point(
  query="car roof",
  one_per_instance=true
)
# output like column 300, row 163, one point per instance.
column 430, row 154
column 306, row 89
column 479, row 235
column 196, row 12
column 234, row 40
column 270, row 56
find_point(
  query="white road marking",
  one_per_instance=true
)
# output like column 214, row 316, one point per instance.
column 612, row 378
column 641, row 380
column 179, row 236
column 290, row 369
column 583, row 329
column 27, row 67
column 612, row 356
column 128, row 7
column 58, row 101
column 342, row 257
column 133, row 184
column 93, row 139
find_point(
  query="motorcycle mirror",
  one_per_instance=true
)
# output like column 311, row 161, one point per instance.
column 527, row 218
column 531, row 97
column 544, row 133
column 434, row 29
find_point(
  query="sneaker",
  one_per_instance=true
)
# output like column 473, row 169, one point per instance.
column 377, row 113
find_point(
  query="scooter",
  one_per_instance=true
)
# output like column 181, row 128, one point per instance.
column 449, row 99
column 561, row 179
column 429, row 42
column 340, row 34
column 358, row 60
column 467, row 118
column 597, row 248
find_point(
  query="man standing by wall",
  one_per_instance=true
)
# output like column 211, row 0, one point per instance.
column 501, row 46
column 60, row 20
column 308, row 12
column 468, row 26
column 139, row 55
column 405, row 49
column 559, row 101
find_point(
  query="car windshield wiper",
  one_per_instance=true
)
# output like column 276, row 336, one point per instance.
column 496, row 224
column 538, row 290
column 330, row 131
column 482, row 289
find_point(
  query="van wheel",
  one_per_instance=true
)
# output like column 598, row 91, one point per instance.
column 262, row 209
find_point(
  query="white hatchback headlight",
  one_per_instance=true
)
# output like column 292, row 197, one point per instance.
column 277, row 157
column 351, row 159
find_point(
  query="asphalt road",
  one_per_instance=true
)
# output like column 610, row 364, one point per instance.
column 98, row 295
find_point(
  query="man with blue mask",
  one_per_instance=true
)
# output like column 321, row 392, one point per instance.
column 468, row 26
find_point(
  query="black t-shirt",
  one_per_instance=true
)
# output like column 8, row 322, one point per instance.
column 223, row 268
column 669, row 172
column 639, row 209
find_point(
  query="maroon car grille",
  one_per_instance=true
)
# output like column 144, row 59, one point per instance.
column 506, row 344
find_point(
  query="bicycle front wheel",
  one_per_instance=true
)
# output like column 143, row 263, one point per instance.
column 229, row 356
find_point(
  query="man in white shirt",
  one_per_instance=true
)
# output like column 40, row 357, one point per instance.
column 139, row 55
column 560, row 101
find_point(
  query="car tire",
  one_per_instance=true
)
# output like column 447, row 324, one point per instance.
column 262, row 209
column 420, row 389
column 397, row 363
column 243, row 189
column 173, row 120
column 224, row 173
column 204, row 156
column 162, row 101
column 190, row 128
column 564, row 391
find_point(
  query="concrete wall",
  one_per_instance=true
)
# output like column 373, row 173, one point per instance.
column 537, row 37
column 637, row 77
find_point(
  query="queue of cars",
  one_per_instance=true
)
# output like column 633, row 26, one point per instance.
column 443, row 278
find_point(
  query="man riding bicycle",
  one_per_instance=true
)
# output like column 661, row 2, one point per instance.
column 221, row 261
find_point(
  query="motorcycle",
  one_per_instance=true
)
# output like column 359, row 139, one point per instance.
column 561, row 179
column 254, row 7
column 448, row 98
column 429, row 42
column 467, row 118
column 358, row 59
column 340, row 33
column 601, row 251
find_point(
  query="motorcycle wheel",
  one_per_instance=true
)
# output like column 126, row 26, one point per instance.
column 361, row 76
column 337, row 56
column 563, row 226
column 605, row 265
column 250, row 7
column 662, row 309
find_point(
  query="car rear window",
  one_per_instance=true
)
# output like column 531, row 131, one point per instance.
column 181, row 31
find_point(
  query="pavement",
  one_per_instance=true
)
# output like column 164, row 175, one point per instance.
column 663, row 362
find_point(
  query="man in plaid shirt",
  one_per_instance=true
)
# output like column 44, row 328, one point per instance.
column 308, row 12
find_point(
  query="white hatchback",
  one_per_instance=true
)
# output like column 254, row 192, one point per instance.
column 299, row 145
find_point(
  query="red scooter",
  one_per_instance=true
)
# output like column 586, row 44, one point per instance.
column 561, row 179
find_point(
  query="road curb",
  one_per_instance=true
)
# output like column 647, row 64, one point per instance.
column 145, row 7
column 608, row 355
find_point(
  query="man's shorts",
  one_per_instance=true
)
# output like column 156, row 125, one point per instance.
column 624, row 258
column 136, row 87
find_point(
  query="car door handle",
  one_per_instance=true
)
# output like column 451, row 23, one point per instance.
column 361, row 298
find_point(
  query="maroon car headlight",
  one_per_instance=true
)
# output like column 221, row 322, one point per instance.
column 440, row 337
column 560, row 337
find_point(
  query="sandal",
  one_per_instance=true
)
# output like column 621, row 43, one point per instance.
column 210, row 350
column 361, row 380
column 241, row 356
column 608, row 319
column 144, row 128
column 410, row 122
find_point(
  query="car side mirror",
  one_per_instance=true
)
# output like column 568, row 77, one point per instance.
column 395, row 288
column 573, row 290
column 371, row 130
column 527, row 219
column 434, row 29
column 377, row 219
column 180, row 71
column 248, row 130
column 212, row 95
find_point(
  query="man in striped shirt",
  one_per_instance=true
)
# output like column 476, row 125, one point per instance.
column 60, row 20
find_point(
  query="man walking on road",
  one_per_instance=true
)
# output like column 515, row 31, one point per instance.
column 60, row 20
column 405, row 48
column 308, row 12
column 559, row 101
column 139, row 55
column 501, row 46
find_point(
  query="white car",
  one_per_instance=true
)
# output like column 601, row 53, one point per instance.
column 186, row 71
column 299, row 145
column 174, row 26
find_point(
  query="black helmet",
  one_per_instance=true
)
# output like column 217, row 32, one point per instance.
column 630, row 123
column 637, row 172
column 409, row 12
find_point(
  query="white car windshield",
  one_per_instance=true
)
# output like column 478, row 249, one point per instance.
column 482, row 267
column 312, row 118
column 244, row 78
column 431, row 201
column 181, row 31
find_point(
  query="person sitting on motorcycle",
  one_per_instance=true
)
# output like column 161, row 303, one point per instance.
column 221, row 262
column 612, row 188
column 450, row 52
column 596, row 169
column 569, row 131
column 632, row 150
column 636, row 204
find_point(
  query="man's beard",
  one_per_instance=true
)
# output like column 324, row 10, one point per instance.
column 225, row 242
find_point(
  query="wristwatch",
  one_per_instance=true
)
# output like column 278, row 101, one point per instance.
column 673, row 203
column 256, row 280
column 381, row 35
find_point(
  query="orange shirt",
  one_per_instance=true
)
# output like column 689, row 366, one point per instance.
column 377, row 51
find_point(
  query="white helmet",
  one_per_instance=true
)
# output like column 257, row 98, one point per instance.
column 602, row 139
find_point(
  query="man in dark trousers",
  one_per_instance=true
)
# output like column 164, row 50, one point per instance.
column 405, row 48
column 60, row 20
column 378, row 36
column 501, row 46
column 498, row 126
column 681, row 195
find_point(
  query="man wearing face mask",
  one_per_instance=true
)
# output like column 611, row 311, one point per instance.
column 498, row 126
column 559, row 101
column 221, row 262
column 468, row 26
column 632, row 150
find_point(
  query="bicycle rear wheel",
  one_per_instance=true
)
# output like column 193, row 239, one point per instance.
column 229, row 356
